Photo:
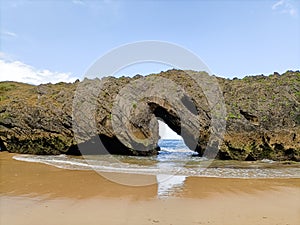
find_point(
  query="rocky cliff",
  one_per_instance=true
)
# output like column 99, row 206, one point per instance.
column 260, row 115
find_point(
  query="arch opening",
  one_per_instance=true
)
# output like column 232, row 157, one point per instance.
column 165, row 113
column 165, row 132
column 169, row 141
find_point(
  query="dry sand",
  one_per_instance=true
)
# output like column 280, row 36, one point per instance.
column 33, row 193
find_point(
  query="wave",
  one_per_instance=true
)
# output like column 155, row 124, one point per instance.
column 156, row 166
column 162, row 149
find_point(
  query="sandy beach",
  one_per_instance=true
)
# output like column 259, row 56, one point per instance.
column 34, row 193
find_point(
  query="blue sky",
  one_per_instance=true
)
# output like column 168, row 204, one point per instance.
column 59, row 40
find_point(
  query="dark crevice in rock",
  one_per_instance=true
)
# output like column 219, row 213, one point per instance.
column 73, row 150
column 250, row 158
column 278, row 147
column 290, row 151
column 252, row 118
column 294, row 137
column 2, row 146
column 224, row 155
column 292, row 154
column 266, row 149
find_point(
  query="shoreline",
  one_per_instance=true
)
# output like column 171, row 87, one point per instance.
column 84, row 197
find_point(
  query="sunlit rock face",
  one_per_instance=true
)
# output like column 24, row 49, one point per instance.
column 260, row 115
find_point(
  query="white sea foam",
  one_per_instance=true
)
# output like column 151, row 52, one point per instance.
column 177, row 150
column 267, row 161
column 175, row 159
column 103, row 164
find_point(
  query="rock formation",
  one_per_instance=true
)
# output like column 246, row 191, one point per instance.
column 257, row 117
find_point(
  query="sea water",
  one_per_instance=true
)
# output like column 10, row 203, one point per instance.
column 173, row 159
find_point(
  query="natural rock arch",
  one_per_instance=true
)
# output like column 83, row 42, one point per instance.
column 140, row 103
column 157, row 109
column 262, row 119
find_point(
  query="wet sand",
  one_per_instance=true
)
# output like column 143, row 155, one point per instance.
column 34, row 193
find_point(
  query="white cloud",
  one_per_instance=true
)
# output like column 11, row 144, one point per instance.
column 285, row 7
column 21, row 72
column 8, row 34
column 277, row 4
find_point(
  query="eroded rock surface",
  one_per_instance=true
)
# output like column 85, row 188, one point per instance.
column 261, row 115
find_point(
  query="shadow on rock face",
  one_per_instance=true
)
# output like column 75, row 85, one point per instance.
column 102, row 145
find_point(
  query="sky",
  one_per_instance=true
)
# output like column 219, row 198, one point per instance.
column 50, row 41
column 53, row 41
